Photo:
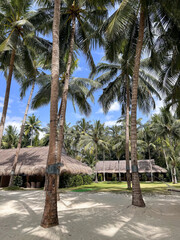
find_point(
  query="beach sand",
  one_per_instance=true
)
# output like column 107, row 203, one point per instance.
column 89, row 216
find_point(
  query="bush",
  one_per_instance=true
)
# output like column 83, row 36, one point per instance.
column 100, row 177
column 144, row 177
column 87, row 179
column 13, row 188
column 78, row 181
column 66, row 180
column 114, row 177
column 160, row 177
column 18, row 181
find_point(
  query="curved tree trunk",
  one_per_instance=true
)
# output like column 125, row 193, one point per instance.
column 20, row 138
column 62, row 112
column 6, row 99
column 137, row 199
column 128, row 175
column 50, row 216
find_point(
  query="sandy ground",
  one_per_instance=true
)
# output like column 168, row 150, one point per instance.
column 90, row 216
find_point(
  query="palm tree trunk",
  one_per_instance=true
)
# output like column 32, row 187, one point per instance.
column 20, row 138
column 104, row 166
column 6, row 99
column 137, row 199
column 128, row 175
column 50, row 216
column 174, row 175
column 119, row 170
column 65, row 93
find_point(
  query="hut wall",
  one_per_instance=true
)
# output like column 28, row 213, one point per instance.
column 4, row 181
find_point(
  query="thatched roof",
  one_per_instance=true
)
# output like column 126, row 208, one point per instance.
column 32, row 161
column 143, row 166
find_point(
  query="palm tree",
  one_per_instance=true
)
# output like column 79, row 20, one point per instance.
column 146, row 13
column 32, row 126
column 77, row 93
column 10, row 138
column 83, row 18
column 119, row 74
column 50, row 217
column 94, row 140
column 31, row 74
column 167, row 128
column 17, row 28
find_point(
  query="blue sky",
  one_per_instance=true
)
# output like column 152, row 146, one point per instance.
column 17, row 106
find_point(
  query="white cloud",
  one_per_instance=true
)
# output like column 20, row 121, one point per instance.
column 31, row 111
column 14, row 121
column 111, row 123
column 100, row 110
column 159, row 104
column 113, row 108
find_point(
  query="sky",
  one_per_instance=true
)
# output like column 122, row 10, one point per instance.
column 17, row 106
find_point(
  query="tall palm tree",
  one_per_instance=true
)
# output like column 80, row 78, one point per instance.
column 83, row 18
column 119, row 76
column 146, row 13
column 16, row 24
column 167, row 128
column 50, row 217
column 30, row 74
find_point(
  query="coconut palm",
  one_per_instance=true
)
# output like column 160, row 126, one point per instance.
column 17, row 28
column 119, row 77
column 32, row 126
column 167, row 128
column 148, row 15
column 83, row 18
column 10, row 137
column 94, row 140
column 50, row 217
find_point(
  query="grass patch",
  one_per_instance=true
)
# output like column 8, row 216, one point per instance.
column 121, row 187
column 13, row 188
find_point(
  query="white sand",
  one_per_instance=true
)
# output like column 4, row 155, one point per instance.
column 90, row 216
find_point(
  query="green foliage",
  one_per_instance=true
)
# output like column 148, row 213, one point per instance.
column 78, row 180
column 144, row 177
column 100, row 177
column 18, row 181
column 114, row 177
column 87, row 179
column 13, row 188
column 69, row 180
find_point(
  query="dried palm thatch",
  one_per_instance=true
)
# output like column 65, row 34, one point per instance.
column 32, row 161
column 144, row 166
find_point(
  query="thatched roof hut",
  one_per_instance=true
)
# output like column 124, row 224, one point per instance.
column 144, row 166
column 32, row 161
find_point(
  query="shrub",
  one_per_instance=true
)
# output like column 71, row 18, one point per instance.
column 78, row 181
column 66, row 180
column 13, row 188
column 114, row 177
column 100, row 177
column 18, row 181
column 161, row 177
column 87, row 179
column 144, row 177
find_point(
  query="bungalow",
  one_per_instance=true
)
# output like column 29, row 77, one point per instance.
column 118, row 169
column 32, row 165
